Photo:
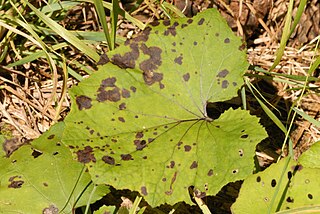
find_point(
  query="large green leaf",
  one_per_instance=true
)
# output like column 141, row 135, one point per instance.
column 43, row 178
column 143, row 125
column 283, row 186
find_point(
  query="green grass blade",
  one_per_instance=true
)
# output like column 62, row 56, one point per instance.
column 65, row 34
column 300, row 10
column 307, row 117
column 173, row 9
column 114, row 19
column 103, row 21
column 285, row 36
column 123, row 13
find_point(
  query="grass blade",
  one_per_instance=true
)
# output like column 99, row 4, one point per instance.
column 65, row 34
column 103, row 21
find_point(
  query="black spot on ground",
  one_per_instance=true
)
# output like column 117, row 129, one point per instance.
column 178, row 60
column 186, row 77
column 83, row 102
column 86, row 155
column 108, row 159
column 223, row 73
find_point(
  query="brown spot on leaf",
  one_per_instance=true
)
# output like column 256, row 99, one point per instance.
column 223, row 73
column 128, row 59
column 210, row 172
column 194, row 165
column 125, row 93
column 171, row 30
column 112, row 95
column 140, row 144
column 121, row 119
column 178, row 60
column 187, row 148
column 172, row 164
column 201, row 21
column 126, row 157
column 51, row 137
column 144, row 190
column 195, row 43
column 184, row 25
column 234, row 84
column 51, row 210
column 154, row 61
column 15, row 183
column 152, row 77
column 186, row 77
column 155, row 23
column 143, row 36
column 109, row 82
column 122, row 106
column 86, row 155
column 83, row 102
column 166, row 22
column 139, row 135
column 108, row 159
column 104, row 59
column 133, row 89
column 190, row 21
column 225, row 84
column 227, row 40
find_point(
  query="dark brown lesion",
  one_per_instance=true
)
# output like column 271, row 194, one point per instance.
column 83, row 102
column 128, row 60
column 152, row 77
column 86, row 155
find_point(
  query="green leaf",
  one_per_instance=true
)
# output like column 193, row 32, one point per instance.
column 43, row 177
column 143, row 125
column 299, row 189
